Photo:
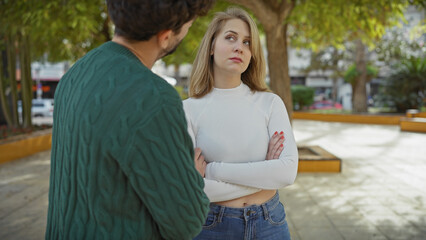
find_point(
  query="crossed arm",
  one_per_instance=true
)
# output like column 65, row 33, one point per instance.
column 279, row 165
column 218, row 191
column 265, row 174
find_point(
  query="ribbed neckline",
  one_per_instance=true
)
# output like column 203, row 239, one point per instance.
column 242, row 88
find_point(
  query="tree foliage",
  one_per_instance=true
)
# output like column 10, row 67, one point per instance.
column 316, row 23
column 396, row 45
column 352, row 74
column 58, row 29
column 405, row 88
column 62, row 30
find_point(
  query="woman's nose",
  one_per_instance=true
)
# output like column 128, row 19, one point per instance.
column 238, row 48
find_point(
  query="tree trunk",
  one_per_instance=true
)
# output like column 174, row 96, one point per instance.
column 11, row 66
column 26, row 80
column 360, row 93
column 4, row 103
column 353, row 85
column 334, row 91
column 276, row 41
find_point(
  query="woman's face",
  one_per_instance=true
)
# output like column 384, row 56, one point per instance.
column 231, row 50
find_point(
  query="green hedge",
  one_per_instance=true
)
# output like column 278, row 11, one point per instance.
column 302, row 96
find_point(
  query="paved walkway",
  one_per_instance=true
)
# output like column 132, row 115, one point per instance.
column 380, row 194
column 24, row 186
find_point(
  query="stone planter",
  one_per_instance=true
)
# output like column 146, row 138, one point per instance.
column 316, row 159
column 392, row 119
column 24, row 145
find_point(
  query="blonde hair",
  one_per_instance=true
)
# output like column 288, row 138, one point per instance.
column 201, row 79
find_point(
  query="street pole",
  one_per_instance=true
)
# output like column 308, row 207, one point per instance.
column 38, row 84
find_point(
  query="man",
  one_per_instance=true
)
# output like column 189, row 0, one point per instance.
column 122, row 162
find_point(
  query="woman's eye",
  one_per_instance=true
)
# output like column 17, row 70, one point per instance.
column 247, row 42
column 230, row 38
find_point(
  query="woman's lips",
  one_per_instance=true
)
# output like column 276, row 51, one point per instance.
column 236, row 59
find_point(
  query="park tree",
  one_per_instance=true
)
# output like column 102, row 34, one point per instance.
column 60, row 30
column 15, row 44
column 316, row 24
column 352, row 76
column 329, row 61
column 359, row 23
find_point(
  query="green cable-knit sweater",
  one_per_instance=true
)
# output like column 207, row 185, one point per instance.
column 122, row 161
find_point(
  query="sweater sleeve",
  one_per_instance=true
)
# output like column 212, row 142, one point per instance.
column 264, row 174
column 160, row 167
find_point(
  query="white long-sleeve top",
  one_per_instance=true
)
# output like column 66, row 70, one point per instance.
column 233, row 127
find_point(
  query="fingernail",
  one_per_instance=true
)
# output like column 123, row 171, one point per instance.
column 282, row 137
column 275, row 133
column 281, row 132
column 281, row 145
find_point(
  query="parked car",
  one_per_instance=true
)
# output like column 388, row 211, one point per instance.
column 40, row 108
column 326, row 104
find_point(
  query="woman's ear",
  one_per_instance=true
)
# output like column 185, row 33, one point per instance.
column 163, row 38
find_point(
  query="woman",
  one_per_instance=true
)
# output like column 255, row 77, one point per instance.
column 240, row 128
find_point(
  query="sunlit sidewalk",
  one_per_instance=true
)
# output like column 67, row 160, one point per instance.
column 380, row 194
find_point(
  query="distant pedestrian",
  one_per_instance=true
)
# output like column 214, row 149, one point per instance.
column 122, row 162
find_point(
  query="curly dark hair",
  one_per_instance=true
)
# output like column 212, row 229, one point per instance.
column 139, row 20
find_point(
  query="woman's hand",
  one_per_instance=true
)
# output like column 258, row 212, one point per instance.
column 275, row 146
column 200, row 164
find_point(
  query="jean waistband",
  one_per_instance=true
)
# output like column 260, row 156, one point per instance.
column 263, row 208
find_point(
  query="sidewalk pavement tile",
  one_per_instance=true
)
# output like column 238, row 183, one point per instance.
column 361, row 232
column 329, row 233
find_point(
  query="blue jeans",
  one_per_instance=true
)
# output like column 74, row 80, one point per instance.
column 263, row 222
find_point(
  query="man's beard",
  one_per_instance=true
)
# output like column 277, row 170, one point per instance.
column 169, row 51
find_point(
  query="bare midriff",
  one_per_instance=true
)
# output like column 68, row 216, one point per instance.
column 252, row 199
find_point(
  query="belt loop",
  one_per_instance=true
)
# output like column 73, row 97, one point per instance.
column 220, row 215
column 265, row 211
